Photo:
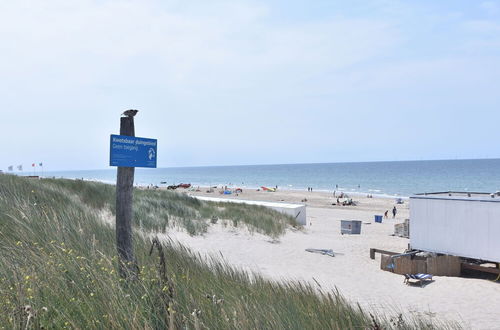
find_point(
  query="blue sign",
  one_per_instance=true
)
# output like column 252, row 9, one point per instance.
column 130, row 151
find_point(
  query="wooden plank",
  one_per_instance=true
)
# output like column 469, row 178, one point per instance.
column 407, row 265
column 399, row 229
column 404, row 265
column 481, row 268
column 384, row 262
column 420, row 266
column 444, row 266
column 373, row 251
column 432, row 266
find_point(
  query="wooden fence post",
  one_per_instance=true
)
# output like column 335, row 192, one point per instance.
column 124, row 194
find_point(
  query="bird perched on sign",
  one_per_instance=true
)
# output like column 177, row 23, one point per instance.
column 130, row 113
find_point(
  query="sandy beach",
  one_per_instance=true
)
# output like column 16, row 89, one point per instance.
column 473, row 302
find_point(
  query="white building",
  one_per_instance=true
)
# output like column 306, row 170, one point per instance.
column 460, row 224
column 298, row 211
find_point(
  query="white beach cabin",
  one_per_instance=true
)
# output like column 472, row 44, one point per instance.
column 456, row 223
column 298, row 211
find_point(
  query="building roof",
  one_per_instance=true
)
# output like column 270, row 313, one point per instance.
column 243, row 201
column 460, row 195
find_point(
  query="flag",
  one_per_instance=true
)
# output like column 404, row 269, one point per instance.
column 11, row 168
column 41, row 164
column 20, row 167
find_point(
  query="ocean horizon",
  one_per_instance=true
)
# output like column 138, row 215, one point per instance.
column 381, row 178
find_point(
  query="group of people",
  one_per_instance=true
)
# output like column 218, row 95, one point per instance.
column 394, row 212
column 348, row 201
column 341, row 195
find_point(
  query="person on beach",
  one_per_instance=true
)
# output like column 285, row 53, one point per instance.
column 386, row 214
column 394, row 211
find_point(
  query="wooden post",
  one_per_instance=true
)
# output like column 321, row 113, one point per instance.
column 124, row 194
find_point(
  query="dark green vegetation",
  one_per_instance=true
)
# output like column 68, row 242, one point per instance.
column 58, row 269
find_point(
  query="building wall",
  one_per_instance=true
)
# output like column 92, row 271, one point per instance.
column 298, row 211
column 462, row 228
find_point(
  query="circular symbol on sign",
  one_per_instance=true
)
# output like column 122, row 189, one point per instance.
column 151, row 153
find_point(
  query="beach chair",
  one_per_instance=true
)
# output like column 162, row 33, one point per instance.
column 419, row 278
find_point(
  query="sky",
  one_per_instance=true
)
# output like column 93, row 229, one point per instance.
column 229, row 82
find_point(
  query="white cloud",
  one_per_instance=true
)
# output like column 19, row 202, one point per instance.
column 491, row 7
column 84, row 42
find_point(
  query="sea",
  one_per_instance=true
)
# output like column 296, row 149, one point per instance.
column 381, row 179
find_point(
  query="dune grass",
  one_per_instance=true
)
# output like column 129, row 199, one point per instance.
column 156, row 210
column 58, row 269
